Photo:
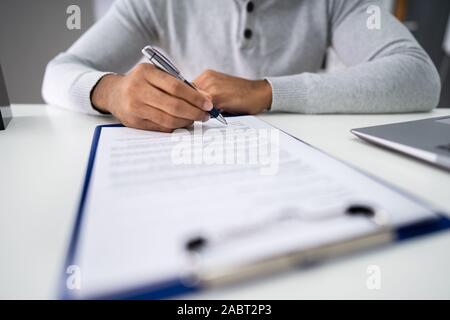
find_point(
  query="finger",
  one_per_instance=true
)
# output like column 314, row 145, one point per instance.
column 175, row 87
column 160, row 117
column 174, row 106
column 149, row 125
column 206, row 94
column 143, row 124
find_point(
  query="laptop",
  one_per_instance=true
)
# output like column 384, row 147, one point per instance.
column 427, row 140
column 5, row 108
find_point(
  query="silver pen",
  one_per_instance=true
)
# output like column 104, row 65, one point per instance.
column 158, row 59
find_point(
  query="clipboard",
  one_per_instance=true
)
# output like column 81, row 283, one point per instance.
column 176, row 286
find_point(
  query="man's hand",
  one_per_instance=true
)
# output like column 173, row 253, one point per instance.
column 235, row 95
column 151, row 99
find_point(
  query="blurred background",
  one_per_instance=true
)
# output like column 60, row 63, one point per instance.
column 32, row 32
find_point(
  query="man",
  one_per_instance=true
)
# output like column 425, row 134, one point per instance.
column 247, row 57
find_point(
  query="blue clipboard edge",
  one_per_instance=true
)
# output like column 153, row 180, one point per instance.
column 177, row 287
column 156, row 291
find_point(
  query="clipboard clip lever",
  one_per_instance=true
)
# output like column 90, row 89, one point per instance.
column 376, row 215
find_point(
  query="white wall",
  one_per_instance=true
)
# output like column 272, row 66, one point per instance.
column 31, row 33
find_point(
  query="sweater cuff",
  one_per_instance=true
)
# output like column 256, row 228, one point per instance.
column 81, row 91
column 289, row 94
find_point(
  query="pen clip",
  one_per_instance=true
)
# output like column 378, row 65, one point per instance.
column 151, row 52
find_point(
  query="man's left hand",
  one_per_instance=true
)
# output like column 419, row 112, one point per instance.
column 235, row 95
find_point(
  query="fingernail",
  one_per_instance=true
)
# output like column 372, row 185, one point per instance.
column 207, row 106
column 206, row 118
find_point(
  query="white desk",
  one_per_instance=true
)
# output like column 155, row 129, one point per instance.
column 42, row 163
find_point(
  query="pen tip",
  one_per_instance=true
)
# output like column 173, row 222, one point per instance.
column 222, row 119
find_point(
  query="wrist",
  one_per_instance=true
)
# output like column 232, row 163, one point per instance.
column 103, row 92
column 264, row 94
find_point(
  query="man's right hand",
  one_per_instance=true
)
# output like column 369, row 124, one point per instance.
column 150, row 99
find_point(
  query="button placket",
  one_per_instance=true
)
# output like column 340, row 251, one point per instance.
column 248, row 32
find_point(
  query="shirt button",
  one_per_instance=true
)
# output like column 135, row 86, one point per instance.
column 250, row 6
column 248, row 33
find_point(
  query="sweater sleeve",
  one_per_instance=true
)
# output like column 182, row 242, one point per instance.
column 387, row 70
column 112, row 45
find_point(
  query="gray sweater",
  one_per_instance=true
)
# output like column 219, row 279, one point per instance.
column 284, row 41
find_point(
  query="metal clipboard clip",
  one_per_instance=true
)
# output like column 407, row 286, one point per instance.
column 197, row 246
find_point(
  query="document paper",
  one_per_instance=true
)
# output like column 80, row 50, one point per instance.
column 150, row 193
